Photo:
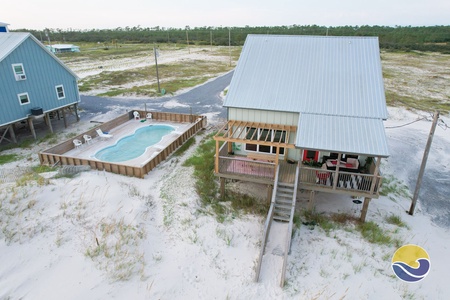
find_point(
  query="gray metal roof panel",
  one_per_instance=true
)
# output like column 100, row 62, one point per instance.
column 312, row 74
column 10, row 41
column 342, row 134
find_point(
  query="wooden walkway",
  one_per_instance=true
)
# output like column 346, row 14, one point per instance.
column 287, row 172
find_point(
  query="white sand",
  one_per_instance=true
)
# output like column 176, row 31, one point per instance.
column 157, row 242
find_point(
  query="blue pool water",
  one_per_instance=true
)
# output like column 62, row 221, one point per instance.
column 134, row 145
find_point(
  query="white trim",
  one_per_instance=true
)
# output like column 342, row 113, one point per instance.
column 57, row 93
column 258, row 136
column 19, row 75
column 23, row 94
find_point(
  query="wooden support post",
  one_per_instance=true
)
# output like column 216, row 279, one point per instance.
column 31, row 125
column 229, row 147
column 222, row 188
column 75, row 106
column 277, row 155
column 64, row 117
column 216, row 164
column 12, row 134
column 311, row 200
column 269, row 192
column 364, row 210
column 48, row 121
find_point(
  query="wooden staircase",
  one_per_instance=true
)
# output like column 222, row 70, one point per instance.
column 284, row 200
column 276, row 244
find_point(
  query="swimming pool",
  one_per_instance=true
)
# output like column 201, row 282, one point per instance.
column 134, row 145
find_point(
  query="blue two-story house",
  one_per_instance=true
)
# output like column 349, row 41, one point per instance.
column 34, row 84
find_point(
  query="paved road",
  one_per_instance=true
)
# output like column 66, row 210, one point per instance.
column 202, row 99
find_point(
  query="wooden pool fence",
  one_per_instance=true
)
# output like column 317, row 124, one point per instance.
column 55, row 155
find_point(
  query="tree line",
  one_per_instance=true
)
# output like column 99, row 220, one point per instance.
column 405, row 38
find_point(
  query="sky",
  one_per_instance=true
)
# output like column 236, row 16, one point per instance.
column 104, row 14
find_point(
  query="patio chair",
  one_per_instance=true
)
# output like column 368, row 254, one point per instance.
column 149, row 115
column 77, row 143
column 136, row 115
column 87, row 139
column 322, row 176
column 103, row 135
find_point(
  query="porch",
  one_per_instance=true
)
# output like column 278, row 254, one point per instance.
column 338, row 181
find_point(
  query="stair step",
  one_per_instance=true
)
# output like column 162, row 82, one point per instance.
column 279, row 218
column 284, row 195
column 283, row 201
column 285, row 192
column 284, row 184
column 282, row 213
column 282, row 206
column 283, row 189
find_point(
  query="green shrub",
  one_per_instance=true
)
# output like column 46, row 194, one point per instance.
column 7, row 158
column 374, row 234
column 183, row 148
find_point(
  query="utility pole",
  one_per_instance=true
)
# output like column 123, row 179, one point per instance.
column 187, row 39
column 156, row 64
column 229, row 42
column 424, row 162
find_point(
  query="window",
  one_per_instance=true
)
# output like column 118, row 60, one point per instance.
column 310, row 155
column 267, row 135
column 19, row 72
column 23, row 98
column 60, row 92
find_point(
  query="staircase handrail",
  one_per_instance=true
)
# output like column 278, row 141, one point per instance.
column 267, row 225
column 287, row 248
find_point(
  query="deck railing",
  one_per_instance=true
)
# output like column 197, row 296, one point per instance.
column 320, row 179
column 236, row 165
column 247, row 167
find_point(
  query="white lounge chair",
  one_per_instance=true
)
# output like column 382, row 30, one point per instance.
column 149, row 115
column 77, row 143
column 87, row 139
column 103, row 135
column 136, row 115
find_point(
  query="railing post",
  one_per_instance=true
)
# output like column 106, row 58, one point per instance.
column 336, row 179
column 216, row 164
column 375, row 175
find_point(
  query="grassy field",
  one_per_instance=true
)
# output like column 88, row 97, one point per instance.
column 129, row 70
column 416, row 80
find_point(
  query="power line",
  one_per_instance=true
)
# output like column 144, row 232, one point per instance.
column 390, row 127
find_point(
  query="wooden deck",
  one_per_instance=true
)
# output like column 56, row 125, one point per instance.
column 236, row 167
column 313, row 179
column 287, row 172
column 355, row 184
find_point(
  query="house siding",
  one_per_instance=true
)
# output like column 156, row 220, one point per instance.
column 43, row 74
column 263, row 116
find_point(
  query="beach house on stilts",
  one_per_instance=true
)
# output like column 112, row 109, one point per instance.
column 305, row 112
column 35, row 84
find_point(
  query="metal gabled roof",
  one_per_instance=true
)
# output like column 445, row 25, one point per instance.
column 9, row 41
column 342, row 134
column 310, row 74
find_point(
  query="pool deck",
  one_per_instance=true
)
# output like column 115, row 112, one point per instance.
column 88, row 150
